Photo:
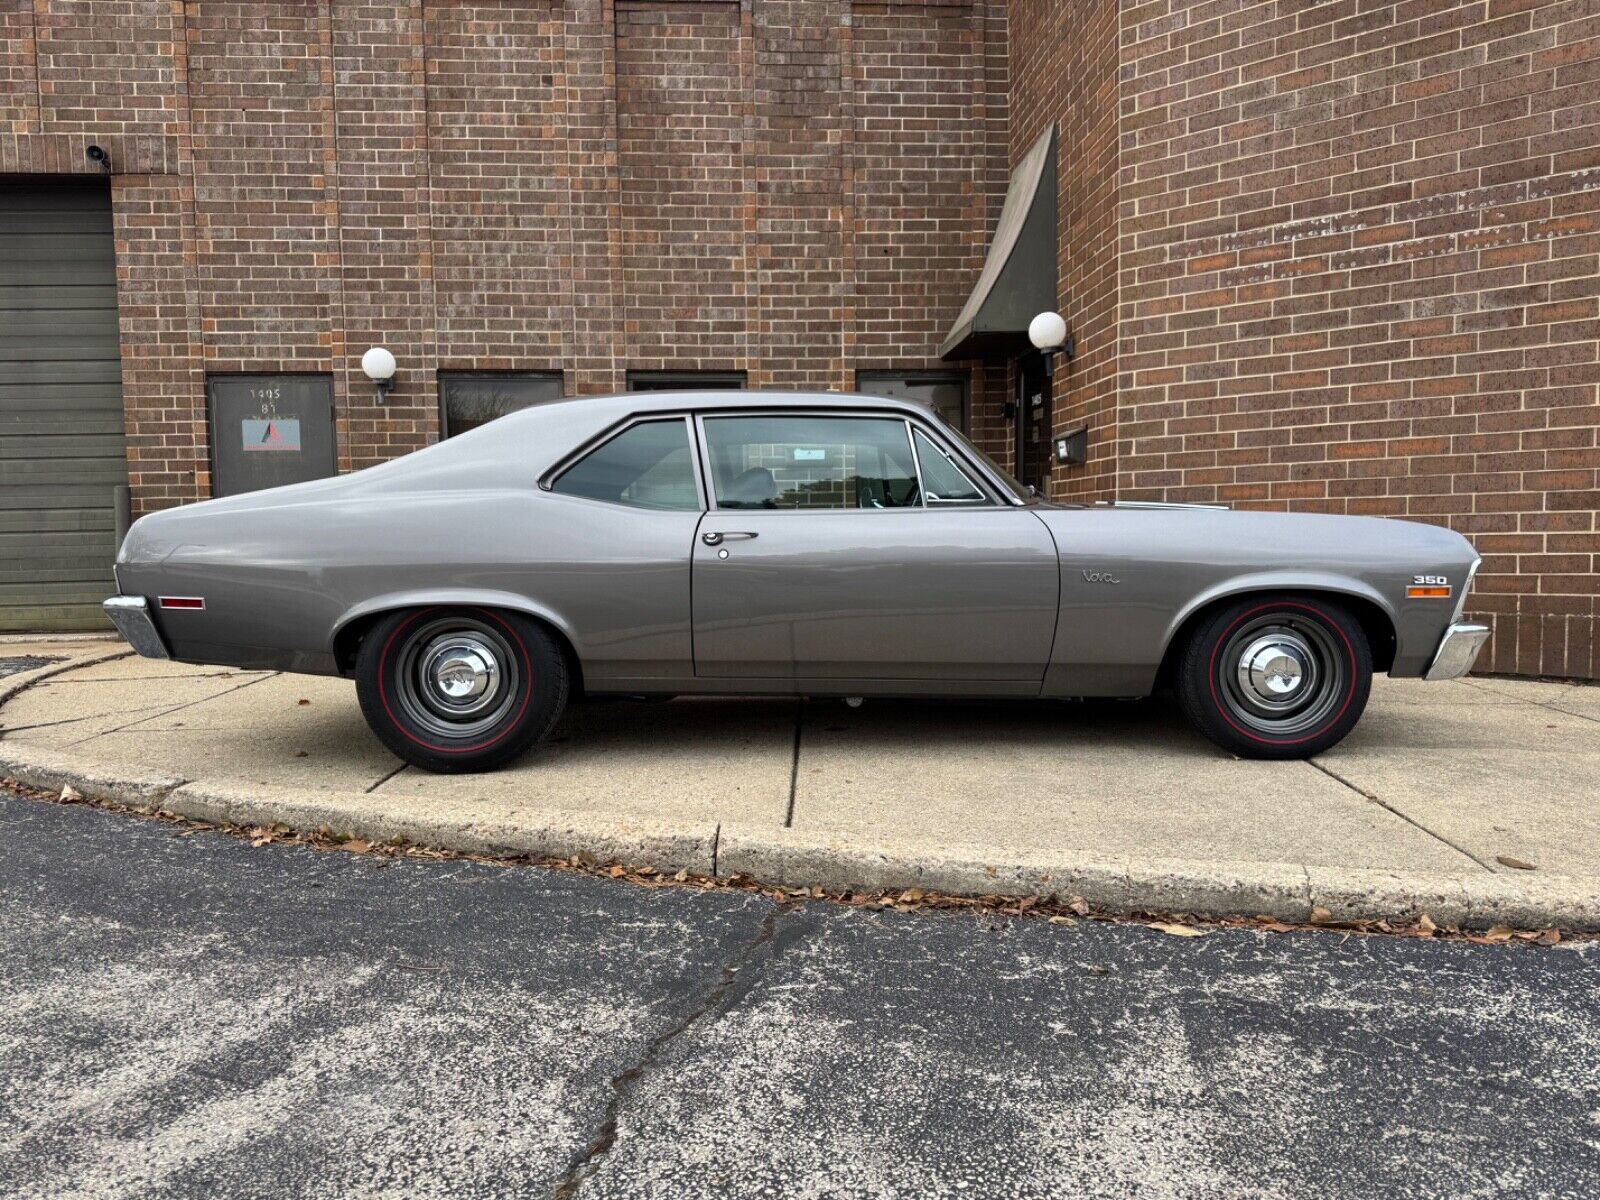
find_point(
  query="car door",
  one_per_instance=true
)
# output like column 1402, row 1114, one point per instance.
column 821, row 558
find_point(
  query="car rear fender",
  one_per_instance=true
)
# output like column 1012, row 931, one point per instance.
column 455, row 598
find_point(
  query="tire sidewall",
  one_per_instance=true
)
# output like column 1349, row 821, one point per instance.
column 540, row 698
column 1198, row 687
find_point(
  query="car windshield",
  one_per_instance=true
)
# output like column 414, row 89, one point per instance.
column 1018, row 492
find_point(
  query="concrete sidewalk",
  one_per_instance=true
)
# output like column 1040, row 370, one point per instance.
column 1440, row 781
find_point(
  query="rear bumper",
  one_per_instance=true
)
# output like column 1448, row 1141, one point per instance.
column 1457, row 651
column 131, row 616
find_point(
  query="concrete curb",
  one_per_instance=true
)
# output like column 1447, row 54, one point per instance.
column 782, row 857
column 15, row 685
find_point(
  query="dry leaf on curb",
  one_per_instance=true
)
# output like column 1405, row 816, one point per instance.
column 1177, row 930
column 681, row 877
column 70, row 793
column 1320, row 915
column 1425, row 926
column 356, row 846
column 1079, row 905
column 1516, row 864
column 1063, row 921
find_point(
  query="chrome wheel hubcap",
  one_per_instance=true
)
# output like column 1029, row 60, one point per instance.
column 457, row 678
column 1276, row 669
column 1281, row 674
column 461, row 671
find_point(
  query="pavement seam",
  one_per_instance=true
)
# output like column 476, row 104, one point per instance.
column 1547, row 705
column 1389, row 808
column 166, row 712
column 623, row 1083
column 794, row 762
column 383, row 779
column 716, row 845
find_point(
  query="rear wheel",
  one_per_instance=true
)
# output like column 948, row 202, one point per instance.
column 460, row 689
column 1276, row 676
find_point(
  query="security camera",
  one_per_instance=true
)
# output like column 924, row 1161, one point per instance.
column 97, row 155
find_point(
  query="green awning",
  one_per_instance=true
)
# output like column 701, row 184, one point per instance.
column 1019, row 276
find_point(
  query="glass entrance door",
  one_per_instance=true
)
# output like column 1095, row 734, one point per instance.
column 1033, row 423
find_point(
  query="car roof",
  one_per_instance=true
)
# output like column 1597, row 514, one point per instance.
column 623, row 404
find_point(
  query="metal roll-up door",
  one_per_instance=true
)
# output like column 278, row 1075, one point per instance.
column 62, row 455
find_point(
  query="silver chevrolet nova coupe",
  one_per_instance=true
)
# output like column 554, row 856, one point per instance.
column 757, row 543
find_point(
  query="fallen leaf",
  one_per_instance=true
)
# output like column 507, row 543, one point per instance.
column 1079, row 905
column 302, row 703
column 1516, row 864
column 1425, row 925
column 681, row 876
column 356, row 846
column 616, row 872
column 1177, row 930
column 1063, row 921
column 1498, row 933
column 1320, row 915
column 1549, row 937
column 70, row 794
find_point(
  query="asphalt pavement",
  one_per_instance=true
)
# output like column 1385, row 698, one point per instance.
column 191, row 1016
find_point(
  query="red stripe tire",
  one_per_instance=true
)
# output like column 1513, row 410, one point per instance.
column 1276, row 676
column 460, row 689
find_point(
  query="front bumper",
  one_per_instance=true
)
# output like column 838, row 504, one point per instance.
column 131, row 616
column 1458, row 650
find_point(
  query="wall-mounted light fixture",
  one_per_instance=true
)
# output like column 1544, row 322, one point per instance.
column 1048, row 333
column 99, row 157
column 378, row 363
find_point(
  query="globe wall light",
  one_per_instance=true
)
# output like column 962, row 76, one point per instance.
column 1048, row 333
column 378, row 363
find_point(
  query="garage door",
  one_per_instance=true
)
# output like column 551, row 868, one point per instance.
column 61, row 446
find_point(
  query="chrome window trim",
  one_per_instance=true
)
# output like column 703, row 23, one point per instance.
column 548, row 480
column 866, row 414
column 928, row 499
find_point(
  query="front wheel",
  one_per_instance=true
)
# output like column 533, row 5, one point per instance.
column 1276, row 676
column 460, row 689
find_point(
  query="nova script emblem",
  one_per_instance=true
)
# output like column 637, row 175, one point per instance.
column 1100, row 577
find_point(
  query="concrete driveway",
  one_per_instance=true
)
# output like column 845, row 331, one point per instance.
column 1446, row 777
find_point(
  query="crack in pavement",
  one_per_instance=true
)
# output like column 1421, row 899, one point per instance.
column 733, row 985
column 1389, row 808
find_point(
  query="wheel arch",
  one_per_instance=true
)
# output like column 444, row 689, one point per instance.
column 1364, row 603
column 352, row 628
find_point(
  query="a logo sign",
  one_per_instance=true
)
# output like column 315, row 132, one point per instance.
column 277, row 433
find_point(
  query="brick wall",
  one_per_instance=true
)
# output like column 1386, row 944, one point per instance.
column 586, row 186
column 1358, row 270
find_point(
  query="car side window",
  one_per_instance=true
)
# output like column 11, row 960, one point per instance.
column 943, row 482
column 648, row 465
column 811, row 462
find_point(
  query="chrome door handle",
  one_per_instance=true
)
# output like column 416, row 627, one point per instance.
column 716, row 539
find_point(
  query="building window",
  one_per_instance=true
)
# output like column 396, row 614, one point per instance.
column 943, row 391
column 468, row 399
column 685, row 381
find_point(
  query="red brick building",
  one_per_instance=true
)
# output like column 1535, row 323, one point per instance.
column 1317, row 255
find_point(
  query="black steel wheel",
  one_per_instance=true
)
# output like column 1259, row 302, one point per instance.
column 1276, row 676
column 460, row 689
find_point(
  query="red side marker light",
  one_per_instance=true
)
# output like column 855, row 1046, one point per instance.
column 182, row 602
